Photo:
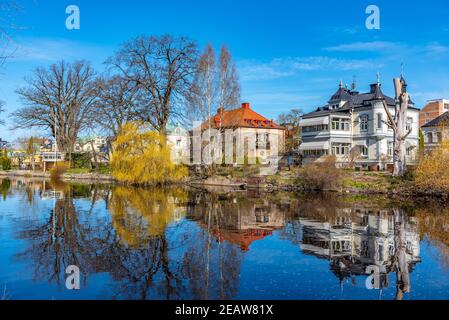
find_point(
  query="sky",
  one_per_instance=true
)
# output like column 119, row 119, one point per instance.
column 289, row 54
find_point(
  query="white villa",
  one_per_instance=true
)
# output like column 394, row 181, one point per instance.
column 178, row 139
column 353, row 127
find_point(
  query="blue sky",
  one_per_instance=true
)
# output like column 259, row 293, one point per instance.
column 290, row 54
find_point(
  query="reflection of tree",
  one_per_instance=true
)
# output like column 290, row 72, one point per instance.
column 138, row 214
column 434, row 224
column 61, row 240
column 5, row 186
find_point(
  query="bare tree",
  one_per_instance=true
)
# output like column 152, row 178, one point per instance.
column 229, row 97
column 293, row 117
column 161, row 69
column 1, row 110
column 398, row 122
column 60, row 99
column 115, row 105
column 203, row 94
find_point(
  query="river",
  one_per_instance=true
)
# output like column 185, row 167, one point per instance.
column 137, row 243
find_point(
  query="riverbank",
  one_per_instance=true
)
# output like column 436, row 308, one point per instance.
column 83, row 177
column 353, row 182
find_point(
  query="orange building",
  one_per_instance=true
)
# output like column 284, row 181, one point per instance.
column 432, row 110
column 246, row 122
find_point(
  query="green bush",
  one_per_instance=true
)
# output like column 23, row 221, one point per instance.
column 81, row 160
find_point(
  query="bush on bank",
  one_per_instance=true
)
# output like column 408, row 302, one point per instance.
column 143, row 158
column 432, row 174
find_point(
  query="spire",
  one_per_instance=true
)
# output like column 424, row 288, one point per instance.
column 378, row 78
column 402, row 70
column 354, row 83
column 341, row 84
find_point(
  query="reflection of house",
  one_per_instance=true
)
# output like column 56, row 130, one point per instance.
column 432, row 110
column 239, row 222
column 353, row 127
column 178, row 139
column 358, row 240
column 436, row 131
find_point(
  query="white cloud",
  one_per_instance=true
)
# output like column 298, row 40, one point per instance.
column 365, row 46
column 280, row 68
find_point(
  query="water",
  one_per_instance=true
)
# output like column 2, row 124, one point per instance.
column 134, row 243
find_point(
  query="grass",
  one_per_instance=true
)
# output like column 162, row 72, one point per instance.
column 101, row 170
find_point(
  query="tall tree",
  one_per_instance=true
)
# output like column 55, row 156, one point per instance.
column 1, row 110
column 161, row 69
column 115, row 105
column 203, row 94
column 229, row 97
column 215, row 86
column 398, row 123
column 60, row 99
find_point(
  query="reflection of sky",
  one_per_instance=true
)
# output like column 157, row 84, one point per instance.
column 273, row 268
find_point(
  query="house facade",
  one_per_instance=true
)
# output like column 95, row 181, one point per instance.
column 178, row 140
column 246, row 124
column 352, row 126
column 435, row 132
column 432, row 110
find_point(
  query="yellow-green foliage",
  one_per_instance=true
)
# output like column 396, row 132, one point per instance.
column 432, row 173
column 143, row 158
column 58, row 170
column 139, row 213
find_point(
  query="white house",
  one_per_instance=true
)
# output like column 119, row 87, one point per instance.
column 178, row 139
column 353, row 127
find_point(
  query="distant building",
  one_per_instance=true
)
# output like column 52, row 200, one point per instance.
column 436, row 131
column 432, row 110
column 85, row 145
column 352, row 126
column 178, row 139
column 3, row 144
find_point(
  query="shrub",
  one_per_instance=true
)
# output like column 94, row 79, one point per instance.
column 81, row 160
column 58, row 170
column 5, row 161
column 432, row 173
column 143, row 158
column 321, row 175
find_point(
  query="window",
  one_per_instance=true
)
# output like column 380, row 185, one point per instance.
column 364, row 151
column 340, row 149
column 409, row 151
column 446, row 106
column 430, row 137
column 178, row 143
column 409, row 123
column 318, row 128
column 379, row 121
column 314, row 153
column 340, row 124
column 364, row 122
column 439, row 137
column 390, row 148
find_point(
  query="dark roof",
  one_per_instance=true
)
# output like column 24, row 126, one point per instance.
column 354, row 100
column 439, row 121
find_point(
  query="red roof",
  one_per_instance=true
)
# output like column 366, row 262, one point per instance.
column 243, row 117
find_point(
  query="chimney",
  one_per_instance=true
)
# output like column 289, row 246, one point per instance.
column 374, row 87
column 245, row 105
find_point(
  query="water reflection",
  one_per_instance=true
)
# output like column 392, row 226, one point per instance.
column 185, row 244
